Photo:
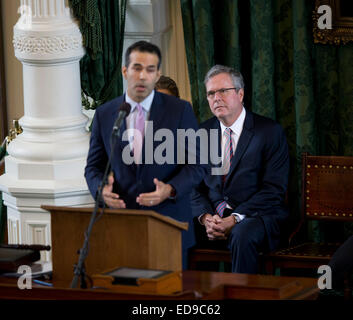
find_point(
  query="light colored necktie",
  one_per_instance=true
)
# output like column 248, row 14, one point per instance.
column 138, row 136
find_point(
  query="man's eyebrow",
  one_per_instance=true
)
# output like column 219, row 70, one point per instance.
column 140, row 65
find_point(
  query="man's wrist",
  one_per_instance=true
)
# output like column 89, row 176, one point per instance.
column 203, row 217
column 236, row 217
column 172, row 193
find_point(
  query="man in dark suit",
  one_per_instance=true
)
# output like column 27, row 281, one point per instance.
column 149, row 182
column 244, row 204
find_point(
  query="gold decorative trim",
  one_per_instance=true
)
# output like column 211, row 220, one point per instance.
column 342, row 27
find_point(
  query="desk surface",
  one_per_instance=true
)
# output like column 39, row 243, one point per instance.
column 220, row 285
column 196, row 285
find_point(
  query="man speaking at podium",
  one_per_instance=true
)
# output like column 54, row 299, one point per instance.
column 144, row 183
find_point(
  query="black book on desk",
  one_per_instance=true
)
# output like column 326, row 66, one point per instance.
column 11, row 259
column 144, row 281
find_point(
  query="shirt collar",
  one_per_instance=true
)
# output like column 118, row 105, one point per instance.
column 237, row 126
column 146, row 103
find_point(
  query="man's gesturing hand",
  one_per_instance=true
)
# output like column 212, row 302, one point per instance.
column 163, row 191
column 110, row 198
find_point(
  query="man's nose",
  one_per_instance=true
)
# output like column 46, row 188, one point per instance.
column 142, row 74
column 217, row 96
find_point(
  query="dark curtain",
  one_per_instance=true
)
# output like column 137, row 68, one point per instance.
column 306, row 87
column 102, row 24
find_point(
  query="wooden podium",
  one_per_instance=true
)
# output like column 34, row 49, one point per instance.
column 129, row 238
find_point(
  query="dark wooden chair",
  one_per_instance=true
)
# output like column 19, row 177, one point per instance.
column 208, row 255
column 327, row 185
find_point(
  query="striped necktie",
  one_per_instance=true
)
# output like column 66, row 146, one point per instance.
column 228, row 155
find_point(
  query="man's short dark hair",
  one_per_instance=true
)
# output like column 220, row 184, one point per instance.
column 143, row 46
column 169, row 84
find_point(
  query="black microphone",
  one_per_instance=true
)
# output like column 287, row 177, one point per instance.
column 124, row 111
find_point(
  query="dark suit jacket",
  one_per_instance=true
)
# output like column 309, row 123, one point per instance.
column 257, row 180
column 131, row 180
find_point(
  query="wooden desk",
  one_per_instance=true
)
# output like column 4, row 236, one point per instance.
column 220, row 285
column 196, row 285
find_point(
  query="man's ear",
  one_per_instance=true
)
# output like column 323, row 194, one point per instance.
column 158, row 75
column 241, row 94
column 124, row 71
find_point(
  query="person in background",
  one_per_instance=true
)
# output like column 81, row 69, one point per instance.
column 168, row 86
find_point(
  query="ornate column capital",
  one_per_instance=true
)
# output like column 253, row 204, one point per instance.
column 46, row 32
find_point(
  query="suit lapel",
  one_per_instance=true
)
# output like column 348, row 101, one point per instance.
column 157, row 112
column 120, row 143
column 244, row 140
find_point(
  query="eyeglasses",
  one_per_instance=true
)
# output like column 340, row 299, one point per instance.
column 222, row 92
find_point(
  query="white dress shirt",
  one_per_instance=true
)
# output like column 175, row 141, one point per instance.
column 237, row 128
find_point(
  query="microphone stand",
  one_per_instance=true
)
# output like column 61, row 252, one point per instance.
column 80, row 268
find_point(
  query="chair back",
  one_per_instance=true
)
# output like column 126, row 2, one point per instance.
column 327, row 190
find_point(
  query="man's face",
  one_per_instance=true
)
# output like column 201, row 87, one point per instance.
column 226, row 106
column 141, row 74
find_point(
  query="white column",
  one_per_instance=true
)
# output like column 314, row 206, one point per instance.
column 46, row 162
